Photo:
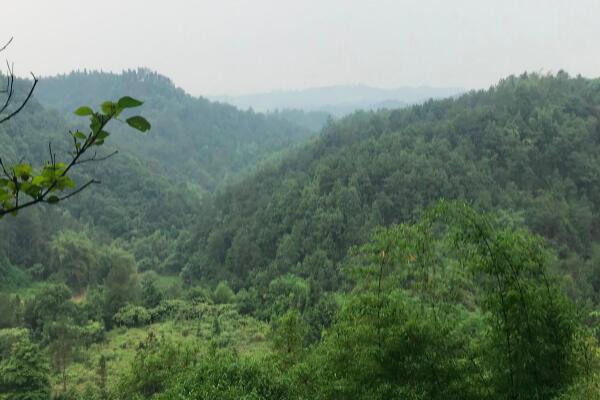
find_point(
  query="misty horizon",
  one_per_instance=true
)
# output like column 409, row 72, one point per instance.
column 236, row 48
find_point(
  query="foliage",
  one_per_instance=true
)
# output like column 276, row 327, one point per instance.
column 22, row 185
column 223, row 294
column 192, row 139
column 409, row 329
column 64, row 337
column 24, row 375
column 11, row 277
column 228, row 377
column 51, row 303
column 289, row 334
column 132, row 316
column 526, row 147
column 120, row 286
column 288, row 292
column 151, row 295
column 151, row 370
column 10, row 310
column 348, row 285
column 8, row 337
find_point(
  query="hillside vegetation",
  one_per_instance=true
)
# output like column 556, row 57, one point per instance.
column 448, row 250
column 527, row 150
column 193, row 139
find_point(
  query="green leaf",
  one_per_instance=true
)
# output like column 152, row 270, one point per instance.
column 95, row 124
column 64, row 182
column 53, row 200
column 83, row 111
column 102, row 135
column 129, row 102
column 23, row 171
column 109, row 108
column 80, row 135
column 139, row 123
column 32, row 190
column 39, row 180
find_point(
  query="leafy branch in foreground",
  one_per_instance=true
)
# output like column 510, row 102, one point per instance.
column 22, row 186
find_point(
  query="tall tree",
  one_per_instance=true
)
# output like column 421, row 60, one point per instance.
column 64, row 338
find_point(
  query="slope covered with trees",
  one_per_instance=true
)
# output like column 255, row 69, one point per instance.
column 127, row 205
column 150, row 189
column 331, row 271
column 526, row 149
column 193, row 139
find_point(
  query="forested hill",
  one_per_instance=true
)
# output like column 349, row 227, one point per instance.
column 295, row 281
column 527, row 148
column 134, row 203
column 192, row 139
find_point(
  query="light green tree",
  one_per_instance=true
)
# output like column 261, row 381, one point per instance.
column 25, row 374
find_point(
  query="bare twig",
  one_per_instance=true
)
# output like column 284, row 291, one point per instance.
column 6, row 45
column 10, row 83
column 18, row 110
column 92, row 182
column 94, row 158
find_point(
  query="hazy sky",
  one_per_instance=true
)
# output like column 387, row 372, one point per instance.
column 233, row 47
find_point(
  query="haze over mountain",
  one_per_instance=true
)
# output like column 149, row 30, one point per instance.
column 338, row 100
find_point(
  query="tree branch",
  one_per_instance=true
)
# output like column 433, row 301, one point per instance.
column 6, row 45
column 42, row 197
column 92, row 182
column 94, row 158
column 10, row 81
column 18, row 110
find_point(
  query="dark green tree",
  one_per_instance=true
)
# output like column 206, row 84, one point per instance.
column 10, row 310
column 289, row 335
column 151, row 295
column 64, row 338
column 120, row 285
column 51, row 303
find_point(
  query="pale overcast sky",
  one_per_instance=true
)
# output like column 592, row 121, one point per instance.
column 233, row 47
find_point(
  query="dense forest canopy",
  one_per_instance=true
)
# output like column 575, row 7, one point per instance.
column 526, row 149
column 193, row 139
column 448, row 250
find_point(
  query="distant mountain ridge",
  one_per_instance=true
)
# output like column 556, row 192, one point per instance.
column 338, row 100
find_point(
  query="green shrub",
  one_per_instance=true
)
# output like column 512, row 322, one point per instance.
column 223, row 294
column 93, row 332
column 132, row 316
column 226, row 376
column 11, row 277
column 178, row 310
column 247, row 301
column 199, row 294
column 8, row 337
